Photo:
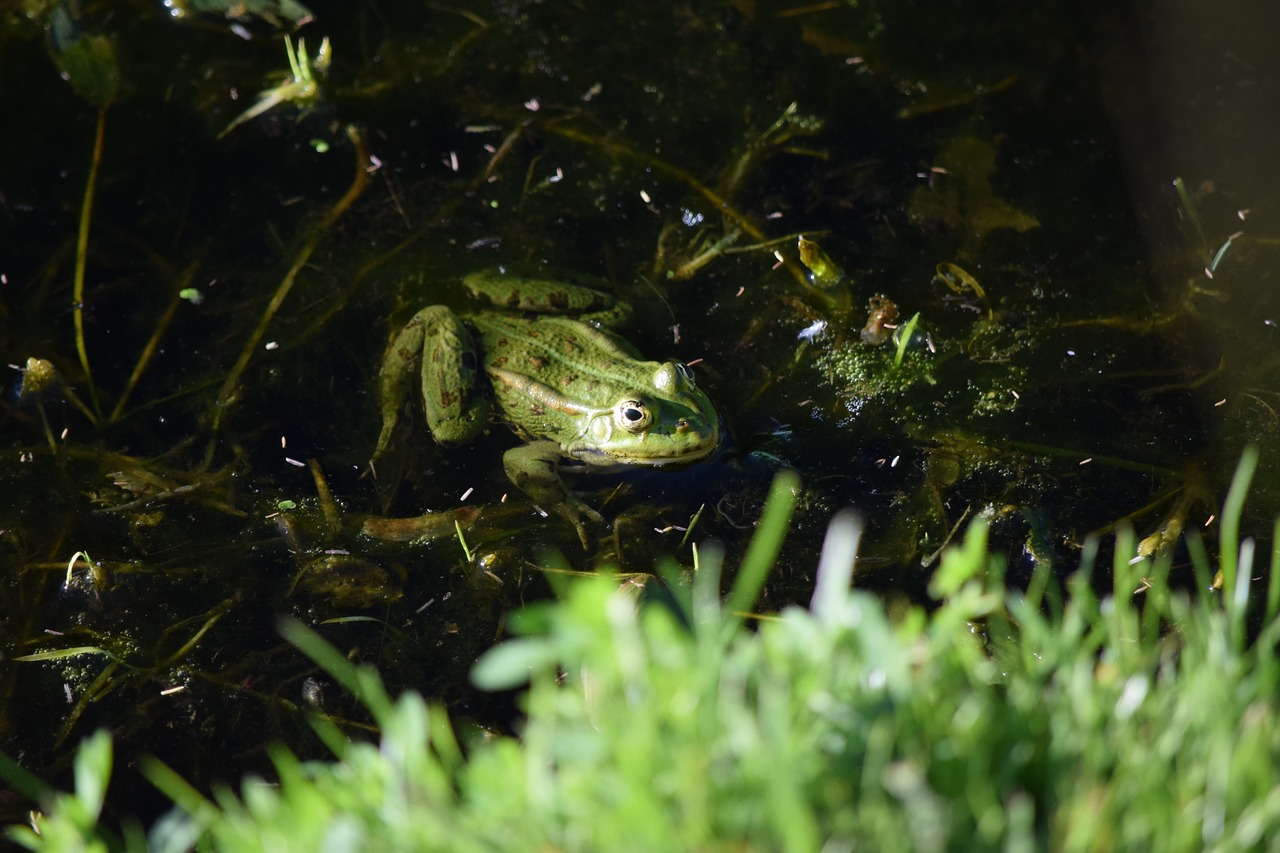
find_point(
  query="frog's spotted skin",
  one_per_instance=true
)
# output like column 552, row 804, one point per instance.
column 571, row 389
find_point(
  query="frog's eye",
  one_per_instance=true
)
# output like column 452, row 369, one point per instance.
column 633, row 416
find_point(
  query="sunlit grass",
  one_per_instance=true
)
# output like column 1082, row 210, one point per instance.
column 1059, row 718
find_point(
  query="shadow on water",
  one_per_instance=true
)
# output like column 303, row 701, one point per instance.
column 1007, row 310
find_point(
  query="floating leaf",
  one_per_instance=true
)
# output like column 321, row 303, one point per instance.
column 86, row 61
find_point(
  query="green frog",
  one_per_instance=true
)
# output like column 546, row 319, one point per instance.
column 544, row 365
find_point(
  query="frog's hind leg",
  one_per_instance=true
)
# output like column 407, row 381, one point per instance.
column 396, row 378
column 437, row 349
column 452, row 385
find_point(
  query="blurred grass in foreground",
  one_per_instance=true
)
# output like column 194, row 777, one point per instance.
column 1001, row 719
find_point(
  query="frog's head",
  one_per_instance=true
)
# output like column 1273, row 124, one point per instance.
column 671, row 421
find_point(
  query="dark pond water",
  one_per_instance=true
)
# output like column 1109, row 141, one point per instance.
column 1085, row 355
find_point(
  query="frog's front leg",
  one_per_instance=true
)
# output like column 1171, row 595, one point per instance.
column 436, row 347
column 534, row 468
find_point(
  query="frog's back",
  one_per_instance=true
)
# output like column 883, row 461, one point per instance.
column 584, row 364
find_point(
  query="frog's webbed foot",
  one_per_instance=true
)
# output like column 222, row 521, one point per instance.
column 578, row 513
column 534, row 468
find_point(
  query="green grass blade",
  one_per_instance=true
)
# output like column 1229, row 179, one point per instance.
column 93, row 771
column 765, row 545
column 59, row 654
column 23, row 780
column 1232, row 507
column 705, row 601
column 903, row 338
column 170, row 783
column 363, row 683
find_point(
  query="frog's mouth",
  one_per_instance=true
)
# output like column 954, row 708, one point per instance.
column 682, row 455
column 600, row 460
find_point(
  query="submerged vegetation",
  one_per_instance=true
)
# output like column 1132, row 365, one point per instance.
column 901, row 259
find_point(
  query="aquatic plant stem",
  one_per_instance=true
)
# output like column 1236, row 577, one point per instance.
column 101, row 686
column 48, row 431
column 153, row 345
column 1190, row 207
column 229, row 386
column 219, row 610
column 619, row 150
column 82, row 254
column 721, row 203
